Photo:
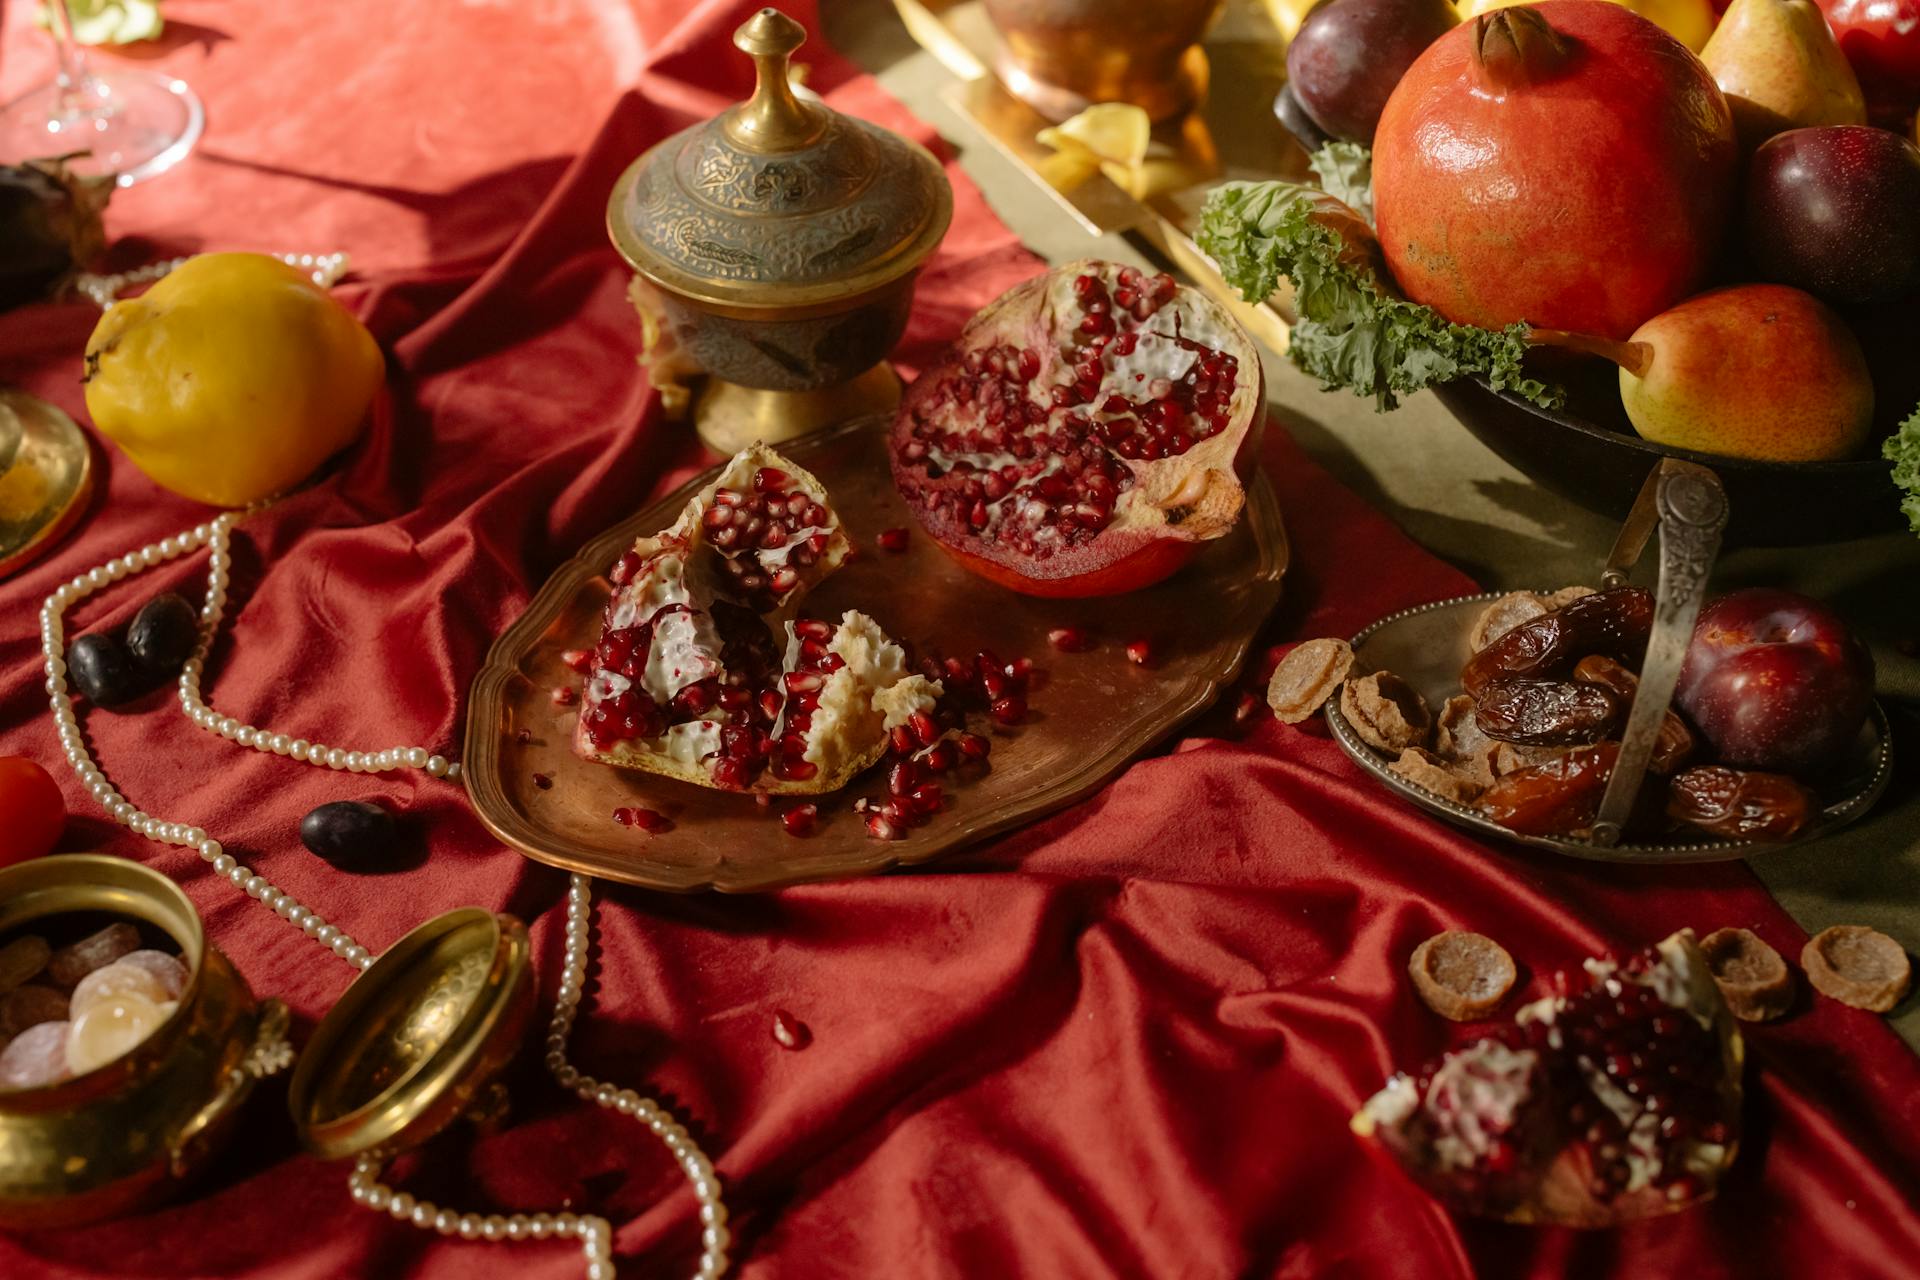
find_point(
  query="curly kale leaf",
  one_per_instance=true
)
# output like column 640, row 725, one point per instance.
column 1351, row 330
column 1902, row 449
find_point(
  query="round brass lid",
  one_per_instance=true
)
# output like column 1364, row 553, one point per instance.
column 416, row 1038
column 778, row 202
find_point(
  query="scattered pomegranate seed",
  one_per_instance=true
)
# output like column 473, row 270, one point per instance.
column 1070, row 639
column 941, row 757
column 892, row 539
column 1248, row 708
column 882, row 827
column 523, row 737
column 645, row 819
column 789, row 1032
column 564, row 696
column 1010, row 710
column 543, row 781
column 578, row 659
column 799, row 820
column 762, row 801
column 1143, row 652
column 973, row 746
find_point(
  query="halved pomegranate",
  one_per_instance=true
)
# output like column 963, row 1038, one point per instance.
column 688, row 679
column 1086, row 434
column 1617, row 1102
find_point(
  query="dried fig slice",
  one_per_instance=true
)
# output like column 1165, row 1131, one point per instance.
column 1503, row 615
column 1750, row 974
column 1461, row 976
column 1388, row 713
column 1858, row 966
column 1430, row 773
column 1307, row 677
column 702, row 672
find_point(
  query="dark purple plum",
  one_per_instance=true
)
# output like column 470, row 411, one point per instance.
column 1349, row 54
column 1835, row 210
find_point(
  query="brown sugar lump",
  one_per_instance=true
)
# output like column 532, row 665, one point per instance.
column 1430, row 773
column 1750, row 974
column 1858, row 966
column 1307, row 677
column 1461, row 976
column 1503, row 615
column 1388, row 713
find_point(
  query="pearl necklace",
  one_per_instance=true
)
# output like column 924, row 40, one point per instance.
column 595, row 1234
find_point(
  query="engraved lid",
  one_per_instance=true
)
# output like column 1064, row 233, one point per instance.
column 778, row 201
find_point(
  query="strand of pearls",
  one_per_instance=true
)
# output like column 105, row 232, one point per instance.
column 595, row 1234
column 322, row 268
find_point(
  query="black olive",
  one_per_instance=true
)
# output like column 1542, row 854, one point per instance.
column 163, row 633
column 349, row 832
column 100, row 669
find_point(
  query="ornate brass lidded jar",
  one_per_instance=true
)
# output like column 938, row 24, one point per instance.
column 415, row 1043
column 775, row 249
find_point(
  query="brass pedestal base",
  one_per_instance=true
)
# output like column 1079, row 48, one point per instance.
column 729, row 417
column 46, row 476
column 1160, row 99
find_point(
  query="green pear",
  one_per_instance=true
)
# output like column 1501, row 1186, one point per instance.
column 1778, row 64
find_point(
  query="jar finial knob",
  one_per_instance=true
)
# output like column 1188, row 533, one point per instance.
column 773, row 119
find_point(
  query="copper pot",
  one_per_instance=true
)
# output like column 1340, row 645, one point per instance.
column 1061, row 56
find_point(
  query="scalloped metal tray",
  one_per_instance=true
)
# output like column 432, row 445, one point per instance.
column 1427, row 646
column 1095, row 712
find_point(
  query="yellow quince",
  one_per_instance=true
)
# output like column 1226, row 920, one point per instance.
column 231, row 379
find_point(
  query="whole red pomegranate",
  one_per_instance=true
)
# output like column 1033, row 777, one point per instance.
column 1614, row 1099
column 1566, row 164
column 1085, row 434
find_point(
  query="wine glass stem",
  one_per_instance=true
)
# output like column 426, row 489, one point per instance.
column 72, row 75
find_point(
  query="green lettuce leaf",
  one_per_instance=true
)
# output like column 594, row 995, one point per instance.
column 1345, row 170
column 1902, row 449
column 1352, row 330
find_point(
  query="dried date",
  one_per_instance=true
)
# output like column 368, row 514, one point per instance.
column 1557, row 798
column 1676, row 742
column 1615, row 623
column 1740, row 804
column 1548, row 713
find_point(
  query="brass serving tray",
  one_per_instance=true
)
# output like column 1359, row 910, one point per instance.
column 1232, row 135
column 1095, row 712
column 1427, row 646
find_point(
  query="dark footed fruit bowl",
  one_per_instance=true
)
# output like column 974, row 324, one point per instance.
column 1588, row 454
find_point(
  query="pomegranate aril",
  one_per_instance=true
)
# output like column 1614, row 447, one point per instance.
column 792, row 768
column 902, row 740
column 926, row 798
column 926, row 731
column 973, row 746
column 731, row 773
column 784, row 580
column 803, row 681
column 892, row 539
column 941, row 757
column 1010, row 710
column 696, row 699
column 1143, row 652
column 1070, row 639
column 578, row 659
column 882, row 827
column 1248, row 707
column 643, row 819
column 903, row 777
column 799, row 820
column 564, row 696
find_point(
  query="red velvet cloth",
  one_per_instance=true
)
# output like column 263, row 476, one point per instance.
column 1124, row 1041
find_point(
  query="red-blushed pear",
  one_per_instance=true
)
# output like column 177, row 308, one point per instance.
column 1753, row 371
column 1779, row 66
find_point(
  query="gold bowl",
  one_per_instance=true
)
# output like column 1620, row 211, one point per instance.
column 129, row 1133
column 1062, row 56
column 775, row 248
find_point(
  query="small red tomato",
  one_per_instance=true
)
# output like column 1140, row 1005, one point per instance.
column 32, row 811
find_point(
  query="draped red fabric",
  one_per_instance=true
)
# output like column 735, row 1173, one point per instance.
column 1124, row 1041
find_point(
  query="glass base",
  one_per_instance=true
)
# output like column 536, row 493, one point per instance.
column 129, row 123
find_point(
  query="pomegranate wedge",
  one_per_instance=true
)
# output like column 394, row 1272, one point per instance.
column 1085, row 435
column 1616, row 1102
column 703, row 673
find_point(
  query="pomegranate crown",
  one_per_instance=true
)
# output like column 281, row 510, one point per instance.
column 1516, row 47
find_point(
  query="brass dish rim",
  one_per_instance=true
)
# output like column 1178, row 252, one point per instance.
column 77, row 503
column 1834, row 816
column 414, row 1107
column 112, row 885
column 481, row 773
column 752, row 299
